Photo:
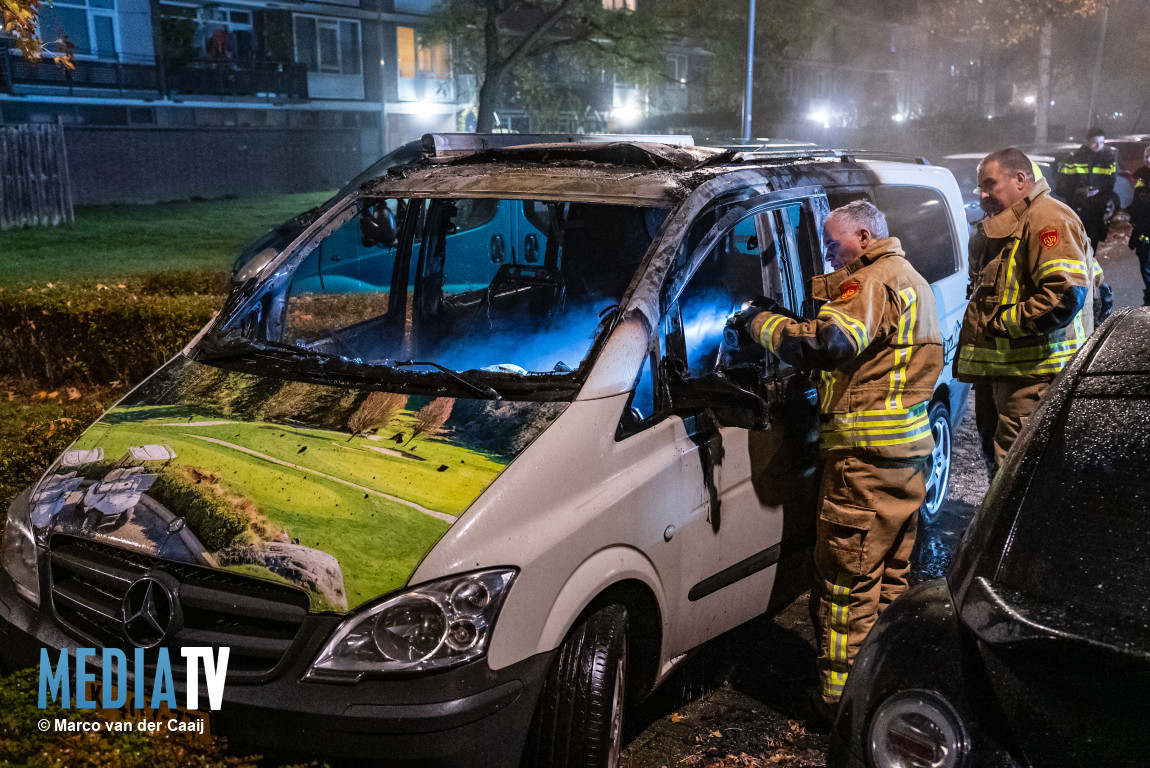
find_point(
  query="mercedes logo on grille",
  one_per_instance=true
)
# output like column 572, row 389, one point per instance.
column 150, row 611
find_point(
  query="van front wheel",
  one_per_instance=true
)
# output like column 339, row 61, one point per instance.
column 579, row 720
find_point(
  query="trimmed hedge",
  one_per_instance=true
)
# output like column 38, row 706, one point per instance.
column 58, row 336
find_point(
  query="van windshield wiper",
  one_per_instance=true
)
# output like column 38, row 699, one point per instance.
column 487, row 393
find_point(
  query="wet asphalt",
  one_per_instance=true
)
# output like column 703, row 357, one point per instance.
column 744, row 699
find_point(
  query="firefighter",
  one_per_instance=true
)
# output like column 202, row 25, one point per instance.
column 877, row 349
column 985, row 413
column 1140, row 221
column 1086, row 183
column 1032, row 305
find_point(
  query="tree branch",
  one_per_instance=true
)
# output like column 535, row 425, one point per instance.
column 544, row 27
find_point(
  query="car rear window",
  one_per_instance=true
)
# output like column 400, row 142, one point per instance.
column 1080, row 547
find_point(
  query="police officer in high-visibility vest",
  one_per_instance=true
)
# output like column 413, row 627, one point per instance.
column 1032, row 305
column 1086, row 183
column 876, row 346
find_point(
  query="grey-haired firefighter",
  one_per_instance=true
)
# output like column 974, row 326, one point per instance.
column 1033, row 303
column 877, row 348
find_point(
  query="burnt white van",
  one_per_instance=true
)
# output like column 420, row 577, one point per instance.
column 465, row 467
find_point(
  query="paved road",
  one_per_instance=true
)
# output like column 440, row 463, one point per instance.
column 744, row 698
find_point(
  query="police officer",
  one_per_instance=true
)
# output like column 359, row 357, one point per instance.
column 1032, row 305
column 877, row 348
column 1140, row 221
column 1086, row 183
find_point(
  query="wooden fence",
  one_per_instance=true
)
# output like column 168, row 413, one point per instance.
column 34, row 184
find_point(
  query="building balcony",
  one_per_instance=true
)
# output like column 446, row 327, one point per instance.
column 125, row 76
column 278, row 80
column 120, row 77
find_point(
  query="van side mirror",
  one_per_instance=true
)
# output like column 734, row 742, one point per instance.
column 377, row 226
column 727, row 394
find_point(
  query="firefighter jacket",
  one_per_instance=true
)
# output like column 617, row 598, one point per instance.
column 1033, row 305
column 877, row 346
column 1087, row 168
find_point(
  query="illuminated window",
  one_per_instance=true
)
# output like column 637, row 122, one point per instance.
column 619, row 5
column 420, row 59
column 424, row 70
column 405, row 37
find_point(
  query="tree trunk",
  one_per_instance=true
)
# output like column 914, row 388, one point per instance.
column 1042, row 100
column 488, row 99
column 494, row 68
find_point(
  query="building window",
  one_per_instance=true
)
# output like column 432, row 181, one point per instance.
column 424, row 70
column 91, row 27
column 619, row 5
column 330, row 46
column 677, row 68
column 417, row 59
column 190, row 31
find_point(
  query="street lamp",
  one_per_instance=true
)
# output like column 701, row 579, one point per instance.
column 750, row 72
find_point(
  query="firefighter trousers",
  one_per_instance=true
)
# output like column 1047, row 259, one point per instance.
column 1016, row 401
column 868, row 514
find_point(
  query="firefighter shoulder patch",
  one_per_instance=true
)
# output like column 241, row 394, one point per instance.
column 849, row 290
column 1048, row 237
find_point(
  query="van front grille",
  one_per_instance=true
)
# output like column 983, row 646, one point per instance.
column 258, row 620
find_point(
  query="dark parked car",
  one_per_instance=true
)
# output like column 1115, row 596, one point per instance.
column 1035, row 651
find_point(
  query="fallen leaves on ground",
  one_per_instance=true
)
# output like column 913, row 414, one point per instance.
column 751, row 747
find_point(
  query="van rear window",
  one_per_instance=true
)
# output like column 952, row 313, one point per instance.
column 920, row 219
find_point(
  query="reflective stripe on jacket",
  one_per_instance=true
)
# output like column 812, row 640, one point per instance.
column 1032, row 305
column 1087, row 168
column 877, row 346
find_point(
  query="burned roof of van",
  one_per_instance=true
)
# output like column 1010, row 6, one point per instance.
column 638, row 173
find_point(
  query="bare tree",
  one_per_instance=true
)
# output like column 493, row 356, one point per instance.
column 377, row 410
column 429, row 420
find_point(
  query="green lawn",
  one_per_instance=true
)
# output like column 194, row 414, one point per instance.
column 378, row 542
column 113, row 241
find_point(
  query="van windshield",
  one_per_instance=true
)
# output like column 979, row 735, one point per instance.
column 488, row 286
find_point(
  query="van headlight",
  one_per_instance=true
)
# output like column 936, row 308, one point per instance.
column 917, row 729
column 430, row 627
column 18, row 553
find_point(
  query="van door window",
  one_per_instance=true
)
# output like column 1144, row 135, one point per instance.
column 743, row 264
column 919, row 218
column 347, row 277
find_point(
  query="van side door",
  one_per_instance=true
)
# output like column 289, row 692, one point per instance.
column 759, row 485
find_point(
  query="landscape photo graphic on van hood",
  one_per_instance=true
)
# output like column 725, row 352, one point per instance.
column 336, row 490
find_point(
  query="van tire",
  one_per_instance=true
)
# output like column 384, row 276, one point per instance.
column 938, row 476
column 579, row 719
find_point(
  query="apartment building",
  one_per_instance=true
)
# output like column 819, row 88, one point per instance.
column 174, row 98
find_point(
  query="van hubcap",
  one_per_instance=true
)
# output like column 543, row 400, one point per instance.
column 939, row 478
